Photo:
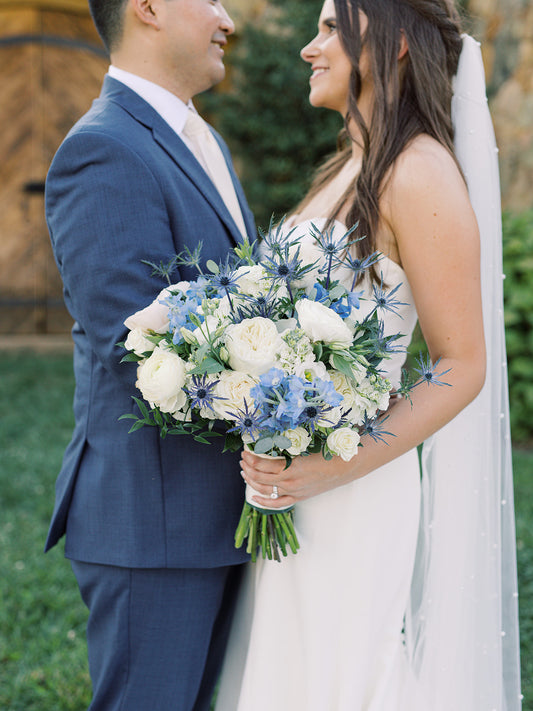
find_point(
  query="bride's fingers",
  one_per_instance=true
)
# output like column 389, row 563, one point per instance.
column 271, row 466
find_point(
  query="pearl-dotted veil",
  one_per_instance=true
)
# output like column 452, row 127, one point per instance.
column 462, row 627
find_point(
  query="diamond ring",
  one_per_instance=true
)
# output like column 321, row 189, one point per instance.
column 274, row 494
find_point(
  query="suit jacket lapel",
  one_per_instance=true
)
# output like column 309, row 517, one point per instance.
column 172, row 144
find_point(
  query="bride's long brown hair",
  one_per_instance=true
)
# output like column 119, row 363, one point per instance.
column 408, row 101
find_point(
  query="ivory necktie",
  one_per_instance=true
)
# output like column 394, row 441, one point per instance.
column 207, row 151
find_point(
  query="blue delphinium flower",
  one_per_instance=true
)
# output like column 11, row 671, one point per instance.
column 180, row 308
column 325, row 390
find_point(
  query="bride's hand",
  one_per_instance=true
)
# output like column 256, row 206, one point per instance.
column 305, row 477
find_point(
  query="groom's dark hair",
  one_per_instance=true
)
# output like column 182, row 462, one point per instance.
column 108, row 17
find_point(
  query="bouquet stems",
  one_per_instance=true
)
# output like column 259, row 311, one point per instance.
column 269, row 530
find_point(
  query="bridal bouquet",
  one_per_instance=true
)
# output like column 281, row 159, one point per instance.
column 271, row 346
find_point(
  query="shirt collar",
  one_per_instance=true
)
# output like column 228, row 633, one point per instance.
column 171, row 109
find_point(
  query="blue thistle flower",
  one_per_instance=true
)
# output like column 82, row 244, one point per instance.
column 374, row 429
column 359, row 266
column 385, row 300
column 247, row 422
column 428, row 372
column 331, row 248
column 200, row 392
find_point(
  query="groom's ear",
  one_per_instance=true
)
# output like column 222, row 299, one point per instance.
column 147, row 12
column 404, row 47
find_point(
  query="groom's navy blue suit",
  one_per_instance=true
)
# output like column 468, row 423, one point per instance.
column 151, row 516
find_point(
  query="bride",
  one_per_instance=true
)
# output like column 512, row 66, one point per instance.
column 403, row 594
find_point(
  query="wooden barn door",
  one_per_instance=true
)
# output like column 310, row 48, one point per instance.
column 51, row 68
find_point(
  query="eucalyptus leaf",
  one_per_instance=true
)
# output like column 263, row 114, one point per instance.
column 212, row 266
column 264, row 445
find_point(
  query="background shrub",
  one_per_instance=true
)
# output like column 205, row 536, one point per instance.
column 518, row 291
column 276, row 137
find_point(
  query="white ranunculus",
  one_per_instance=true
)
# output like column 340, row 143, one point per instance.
column 344, row 442
column 234, row 387
column 321, row 323
column 138, row 343
column 160, row 378
column 311, row 369
column 300, row 440
column 252, row 345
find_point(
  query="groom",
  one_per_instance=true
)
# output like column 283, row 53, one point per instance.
column 149, row 523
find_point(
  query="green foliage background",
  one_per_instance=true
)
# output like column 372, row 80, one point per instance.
column 278, row 139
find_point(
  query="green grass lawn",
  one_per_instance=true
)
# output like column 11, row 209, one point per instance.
column 42, row 650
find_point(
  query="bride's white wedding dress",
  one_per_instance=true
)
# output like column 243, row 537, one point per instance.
column 323, row 629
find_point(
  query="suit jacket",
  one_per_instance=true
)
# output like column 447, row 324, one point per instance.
column 123, row 187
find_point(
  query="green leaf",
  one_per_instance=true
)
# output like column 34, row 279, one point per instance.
column 233, row 442
column 337, row 292
column 131, row 358
column 282, row 442
column 212, row 266
column 264, row 445
column 342, row 365
column 142, row 407
column 136, row 426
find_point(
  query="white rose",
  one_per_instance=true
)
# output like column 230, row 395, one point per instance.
column 330, row 418
column 207, row 329
column 251, row 280
column 179, row 286
column 344, row 442
column 138, row 343
column 223, row 309
column 252, row 345
column 300, row 440
column 344, row 387
column 152, row 318
column 322, row 324
column 234, row 387
column 161, row 378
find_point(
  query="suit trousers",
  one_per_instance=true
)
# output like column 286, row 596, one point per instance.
column 156, row 637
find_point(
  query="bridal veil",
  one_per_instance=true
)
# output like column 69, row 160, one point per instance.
column 462, row 626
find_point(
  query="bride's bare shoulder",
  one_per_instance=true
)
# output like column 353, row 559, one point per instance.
column 425, row 164
column 424, row 173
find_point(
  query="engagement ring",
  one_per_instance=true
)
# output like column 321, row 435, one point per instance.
column 274, row 494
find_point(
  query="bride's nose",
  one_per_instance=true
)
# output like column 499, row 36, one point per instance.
column 310, row 51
